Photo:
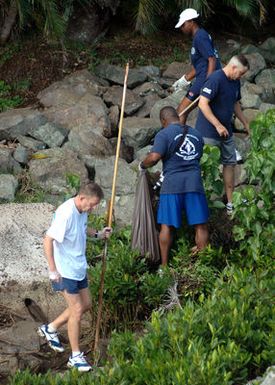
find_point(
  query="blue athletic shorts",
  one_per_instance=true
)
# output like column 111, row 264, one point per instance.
column 171, row 206
column 70, row 285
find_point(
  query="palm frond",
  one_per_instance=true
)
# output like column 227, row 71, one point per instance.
column 146, row 15
column 204, row 7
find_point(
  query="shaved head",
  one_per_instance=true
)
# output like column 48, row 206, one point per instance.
column 239, row 61
column 168, row 113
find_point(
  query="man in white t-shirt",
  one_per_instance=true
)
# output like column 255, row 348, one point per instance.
column 65, row 249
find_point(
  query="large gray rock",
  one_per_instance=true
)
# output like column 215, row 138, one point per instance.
column 267, row 379
column 70, row 89
column 85, row 141
column 50, row 171
column 7, row 162
column 266, row 78
column 21, row 154
column 264, row 107
column 8, row 187
column 116, row 75
column 175, row 70
column 252, row 88
column 151, row 71
column 172, row 100
column 31, row 143
column 50, row 134
column 113, row 97
column 104, row 169
column 249, row 49
column 150, row 101
column 257, row 64
column 88, row 112
column 19, row 121
column 150, row 88
column 268, row 49
column 138, row 132
column 250, row 115
column 250, row 101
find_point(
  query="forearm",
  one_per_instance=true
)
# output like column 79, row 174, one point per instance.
column 240, row 115
column 49, row 253
column 208, row 113
column 150, row 160
column 211, row 65
column 191, row 74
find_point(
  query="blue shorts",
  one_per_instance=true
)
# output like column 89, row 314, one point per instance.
column 71, row 286
column 171, row 206
column 227, row 149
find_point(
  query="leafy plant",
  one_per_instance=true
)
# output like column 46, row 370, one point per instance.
column 6, row 100
column 255, row 203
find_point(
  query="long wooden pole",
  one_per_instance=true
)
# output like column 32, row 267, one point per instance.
column 110, row 212
column 190, row 105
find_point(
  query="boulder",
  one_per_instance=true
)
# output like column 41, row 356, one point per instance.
column 248, row 49
column 125, row 152
column 116, row 75
column 252, row 88
column 71, row 89
column 88, row 112
column 150, row 101
column 16, row 122
column 266, row 106
column 52, row 166
column 7, row 162
column 104, row 169
column 151, row 71
column 250, row 101
column 175, row 70
column 114, row 116
column 113, row 97
column 150, row 88
column 21, row 154
column 85, row 141
column 31, row 143
column 250, row 115
column 257, row 64
column 50, row 134
column 266, row 79
column 268, row 49
column 138, row 132
column 172, row 100
column 8, row 187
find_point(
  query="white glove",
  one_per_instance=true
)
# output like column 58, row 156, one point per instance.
column 105, row 233
column 54, row 276
column 181, row 83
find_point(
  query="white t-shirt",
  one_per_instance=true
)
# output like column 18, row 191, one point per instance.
column 68, row 229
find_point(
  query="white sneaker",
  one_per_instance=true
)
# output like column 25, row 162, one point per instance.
column 79, row 363
column 51, row 337
column 229, row 208
column 239, row 158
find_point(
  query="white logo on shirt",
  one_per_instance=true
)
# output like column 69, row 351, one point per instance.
column 188, row 150
column 193, row 51
column 207, row 90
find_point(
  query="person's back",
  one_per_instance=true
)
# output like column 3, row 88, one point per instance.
column 181, row 167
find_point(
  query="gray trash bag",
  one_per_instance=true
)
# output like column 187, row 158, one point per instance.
column 144, row 232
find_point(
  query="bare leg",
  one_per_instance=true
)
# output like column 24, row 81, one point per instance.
column 61, row 320
column 77, row 305
column 165, row 241
column 181, row 107
column 202, row 236
column 228, row 178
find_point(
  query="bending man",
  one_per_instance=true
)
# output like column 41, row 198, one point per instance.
column 180, row 149
column 220, row 98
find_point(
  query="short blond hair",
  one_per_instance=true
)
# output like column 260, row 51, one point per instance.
column 91, row 189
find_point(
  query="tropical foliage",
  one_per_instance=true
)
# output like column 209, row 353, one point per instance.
column 52, row 16
column 221, row 330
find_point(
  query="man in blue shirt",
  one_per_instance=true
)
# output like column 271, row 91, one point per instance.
column 180, row 149
column 220, row 98
column 204, row 59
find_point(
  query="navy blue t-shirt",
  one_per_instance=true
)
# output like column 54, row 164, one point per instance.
column 202, row 49
column 181, row 168
column 223, row 93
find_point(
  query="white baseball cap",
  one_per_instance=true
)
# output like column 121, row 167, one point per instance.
column 187, row 14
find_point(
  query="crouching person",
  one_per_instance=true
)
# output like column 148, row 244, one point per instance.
column 65, row 249
column 180, row 148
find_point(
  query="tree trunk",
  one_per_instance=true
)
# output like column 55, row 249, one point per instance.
column 9, row 21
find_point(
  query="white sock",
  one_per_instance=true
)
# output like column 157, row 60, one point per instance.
column 75, row 354
column 51, row 328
